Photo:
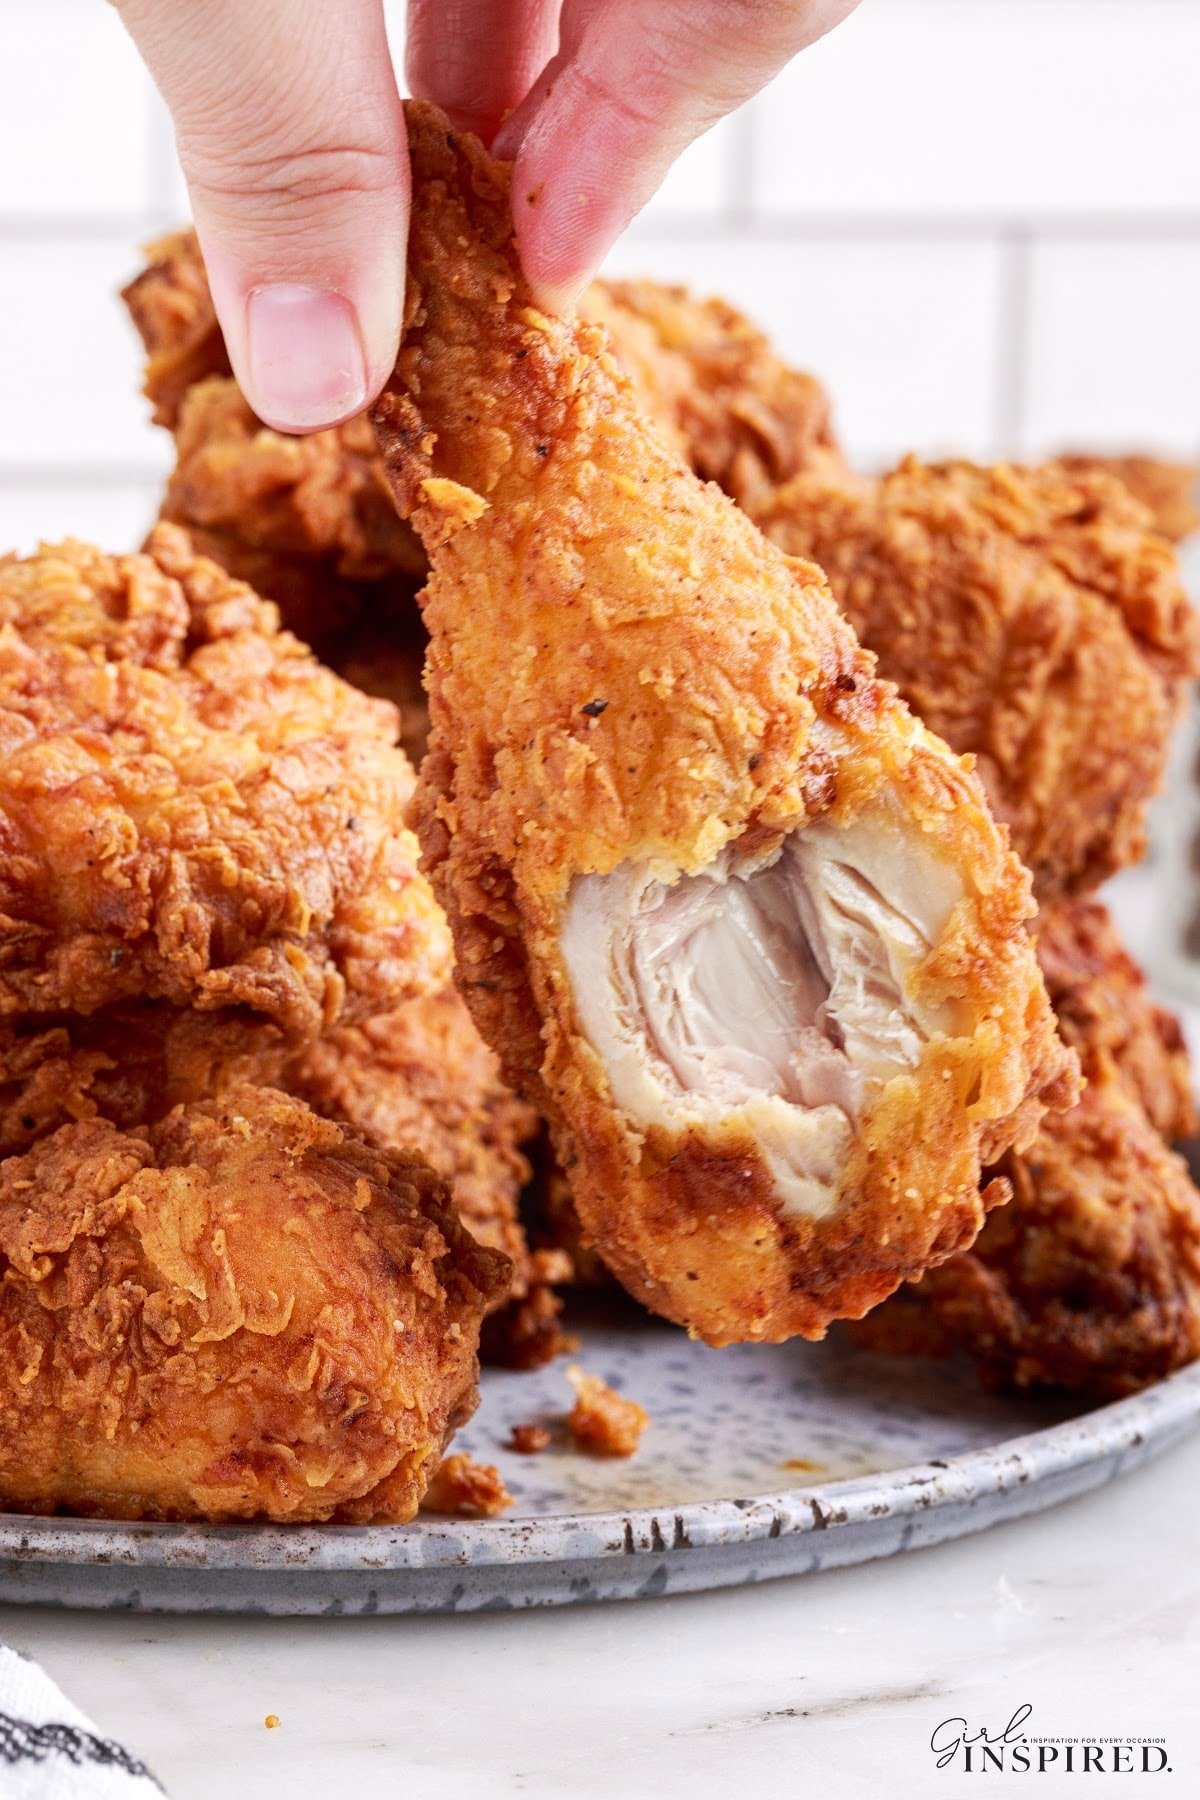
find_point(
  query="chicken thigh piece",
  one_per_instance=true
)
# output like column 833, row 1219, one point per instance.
column 737, row 921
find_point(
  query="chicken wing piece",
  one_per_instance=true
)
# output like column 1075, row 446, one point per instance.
column 1090, row 1277
column 240, row 1313
column 1032, row 619
column 191, row 808
column 723, row 906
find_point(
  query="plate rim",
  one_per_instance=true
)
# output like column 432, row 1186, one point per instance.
column 1138, row 1421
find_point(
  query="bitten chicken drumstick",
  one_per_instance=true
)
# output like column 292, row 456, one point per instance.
column 744, row 928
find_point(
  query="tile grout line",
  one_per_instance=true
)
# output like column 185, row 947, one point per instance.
column 1010, row 377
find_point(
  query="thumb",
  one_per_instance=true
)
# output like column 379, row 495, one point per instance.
column 292, row 140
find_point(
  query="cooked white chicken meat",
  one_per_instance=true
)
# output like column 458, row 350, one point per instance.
column 778, row 993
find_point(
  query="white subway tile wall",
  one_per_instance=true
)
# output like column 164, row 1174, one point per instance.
column 977, row 220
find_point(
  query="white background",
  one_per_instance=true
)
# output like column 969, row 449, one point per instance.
column 978, row 220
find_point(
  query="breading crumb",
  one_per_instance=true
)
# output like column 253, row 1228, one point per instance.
column 527, row 1440
column 466, row 1489
column 271, row 1721
column 601, row 1420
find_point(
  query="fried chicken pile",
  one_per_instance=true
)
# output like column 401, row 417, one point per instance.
column 714, row 967
column 216, row 1302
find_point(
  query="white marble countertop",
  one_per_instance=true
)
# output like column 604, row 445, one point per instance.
column 829, row 1685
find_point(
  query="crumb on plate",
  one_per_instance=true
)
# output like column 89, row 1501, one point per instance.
column 601, row 1420
column 527, row 1440
column 466, row 1489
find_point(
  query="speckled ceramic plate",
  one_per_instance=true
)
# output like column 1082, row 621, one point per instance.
column 760, row 1461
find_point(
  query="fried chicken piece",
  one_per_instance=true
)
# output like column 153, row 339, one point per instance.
column 1033, row 621
column 421, row 1080
column 1170, row 491
column 740, row 926
column 172, row 311
column 714, row 385
column 129, row 1064
column 239, row 1313
column 1105, row 1012
column 385, row 655
column 1090, row 1277
column 321, row 498
column 191, row 808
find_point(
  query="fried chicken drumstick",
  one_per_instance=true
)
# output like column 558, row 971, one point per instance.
column 240, row 1313
column 1090, row 1277
column 191, row 808
column 741, row 926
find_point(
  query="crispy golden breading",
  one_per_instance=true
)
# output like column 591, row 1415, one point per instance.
column 420, row 1079
column 1033, row 621
column 321, row 498
column 713, row 384
column 1090, row 1277
column 1170, row 491
column 625, row 677
column 1105, row 1012
column 239, row 1313
column 172, row 310
column 128, row 1064
column 191, row 808
column 307, row 520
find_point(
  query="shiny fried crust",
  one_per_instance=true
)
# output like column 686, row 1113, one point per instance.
column 573, row 559
column 1170, row 491
column 715, row 387
column 1090, row 1277
column 192, row 809
column 1033, row 620
column 239, row 1313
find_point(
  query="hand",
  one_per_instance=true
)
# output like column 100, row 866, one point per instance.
column 291, row 136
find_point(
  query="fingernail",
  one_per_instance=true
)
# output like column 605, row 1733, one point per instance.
column 306, row 367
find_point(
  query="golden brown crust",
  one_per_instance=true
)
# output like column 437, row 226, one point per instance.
column 1170, row 491
column 1090, row 1277
column 191, row 808
column 1033, row 621
column 128, row 1064
column 241, row 1312
column 1105, row 1013
column 712, row 383
column 172, row 311
column 573, row 560
column 421, row 1080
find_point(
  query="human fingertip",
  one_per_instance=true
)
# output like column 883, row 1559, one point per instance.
column 306, row 367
